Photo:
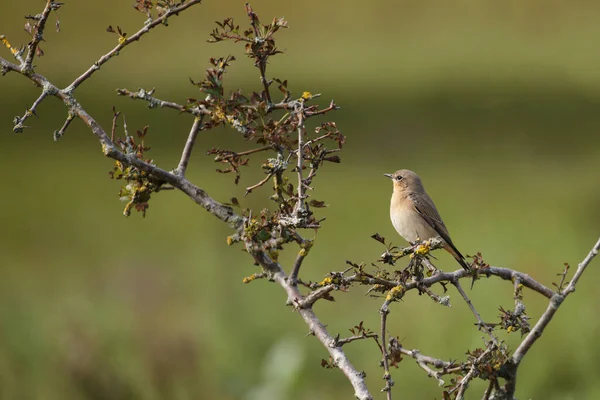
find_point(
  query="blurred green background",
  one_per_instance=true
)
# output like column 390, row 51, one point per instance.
column 495, row 104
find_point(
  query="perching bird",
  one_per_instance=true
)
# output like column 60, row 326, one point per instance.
column 414, row 215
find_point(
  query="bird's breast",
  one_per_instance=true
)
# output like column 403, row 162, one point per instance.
column 408, row 222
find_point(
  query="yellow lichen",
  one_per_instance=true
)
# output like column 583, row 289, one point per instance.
column 423, row 249
column 326, row 281
column 394, row 293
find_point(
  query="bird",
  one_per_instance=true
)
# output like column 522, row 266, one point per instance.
column 414, row 214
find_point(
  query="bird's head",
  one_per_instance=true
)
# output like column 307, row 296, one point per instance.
column 405, row 180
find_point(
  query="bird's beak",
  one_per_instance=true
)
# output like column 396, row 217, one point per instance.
column 388, row 175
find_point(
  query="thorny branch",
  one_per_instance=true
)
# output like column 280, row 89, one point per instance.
column 264, row 235
column 510, row 372
column 482, row 325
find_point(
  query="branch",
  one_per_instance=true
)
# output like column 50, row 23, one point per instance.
column 197, row 194
column 59, row 133
column 189, row 145
column 296, row 267
column 249, row 189
column 356, row 378
column 301, row 131
column 423, row 361
column 19, row 121
column 38, row 33
column 153, row 102
column 464, row 382
column 261, row 62
column 384, row 311
column 312, row 297
column 510, row 370
column 341, row 342
column 581, row 268
column 480, row 323
column 127, row 41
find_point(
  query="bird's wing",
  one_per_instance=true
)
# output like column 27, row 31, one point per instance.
column 425, row 207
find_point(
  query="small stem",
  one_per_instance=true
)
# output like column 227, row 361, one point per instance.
column 300, row 163
column 189, row 146
column 384, row 311
column 482, row 325
column 38, row 36
column 59, row 133
column 114, row 125
column 259, row 184
column 136, row 36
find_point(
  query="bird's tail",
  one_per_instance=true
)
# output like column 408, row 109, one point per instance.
column 456, row 254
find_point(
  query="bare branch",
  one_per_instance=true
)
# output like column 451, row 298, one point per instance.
column 581, row 268
column 59, row 133
column 127, row 41
column 384, row 311
column 19, row 121
column 261, row 62
column 189, row 145
column 332, row 107
column 153, row 102
column 312, row 297
column 249, row 189
column 356, row 378
column 300, row 163
column 38, row 33
column 482, row 325
column 341, row 342
column 464, row 382
column 296, row 267
column 556, row 300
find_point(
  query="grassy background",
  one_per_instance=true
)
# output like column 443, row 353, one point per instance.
column 494, row 105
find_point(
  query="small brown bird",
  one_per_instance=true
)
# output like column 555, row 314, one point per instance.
column 414, row 215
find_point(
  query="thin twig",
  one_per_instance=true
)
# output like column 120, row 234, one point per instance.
column 249, row 189
column 300, row 162
column 153, row 102
column 510, row 372
column 316, row 327
column 480, row 323
column 488, row 391
column 313, row 296
column 59, row 133
column 581, row 268
column 189, row 145
column 113, row 130
column 296, row 267
column 464, row 382
column 384, row 311
column 261, row 62
column 444, row 301
column 38, row 34
column 127, row 41
column 20, row 121
column 341, row 342
column 332, row 107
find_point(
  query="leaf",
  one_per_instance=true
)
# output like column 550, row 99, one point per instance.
column 334, row 159
column 317, row 204
column 379, row 238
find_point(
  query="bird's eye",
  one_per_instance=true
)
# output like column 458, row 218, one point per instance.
column 398, row 178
